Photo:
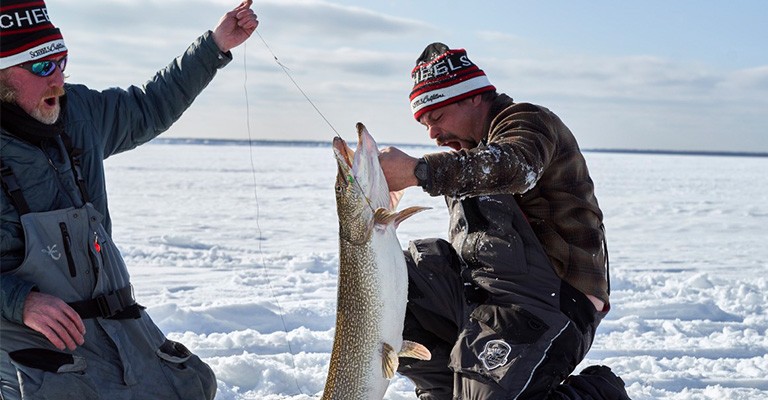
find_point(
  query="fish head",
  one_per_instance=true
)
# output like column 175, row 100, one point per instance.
column 361, row 186
column 351, row 204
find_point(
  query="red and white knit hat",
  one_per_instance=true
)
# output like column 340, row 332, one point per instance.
column 443, row 76
column 27, row 34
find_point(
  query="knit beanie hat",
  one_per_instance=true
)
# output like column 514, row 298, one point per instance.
column 443, row 76
column 26, row 33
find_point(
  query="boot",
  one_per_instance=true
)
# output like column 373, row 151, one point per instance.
column 596, row 382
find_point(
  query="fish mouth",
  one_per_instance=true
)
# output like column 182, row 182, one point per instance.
column 362, row 167
column 350, row 160
column 344, row 154
column 344, row 157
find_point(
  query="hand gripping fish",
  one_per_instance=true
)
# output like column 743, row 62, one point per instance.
column 373, row 281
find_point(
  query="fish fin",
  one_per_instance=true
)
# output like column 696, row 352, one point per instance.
column 415, row 350
column 394, row 198
column 389, row 360
column 402, row 215
column 382, row 216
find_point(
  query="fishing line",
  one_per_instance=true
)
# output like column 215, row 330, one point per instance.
column 285, row 69
column 350, row 178
column 281, row 313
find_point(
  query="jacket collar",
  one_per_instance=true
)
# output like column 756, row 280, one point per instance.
column 17, row 122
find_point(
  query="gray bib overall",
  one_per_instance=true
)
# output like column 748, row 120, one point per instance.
column 69, row 254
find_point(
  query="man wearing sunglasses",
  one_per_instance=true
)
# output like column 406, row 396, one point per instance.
column 71, row 327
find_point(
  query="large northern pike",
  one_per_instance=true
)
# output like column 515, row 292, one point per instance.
column 373, row 281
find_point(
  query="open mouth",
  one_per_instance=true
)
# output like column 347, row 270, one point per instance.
column 450, row 143
column 50, row 101
column 343, row 152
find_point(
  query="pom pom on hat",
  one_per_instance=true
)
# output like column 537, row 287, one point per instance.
column 27, row 34
column 444, row 76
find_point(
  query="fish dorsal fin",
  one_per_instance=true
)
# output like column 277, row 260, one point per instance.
column 415, row 350
column 389, row 361
column 382, row 216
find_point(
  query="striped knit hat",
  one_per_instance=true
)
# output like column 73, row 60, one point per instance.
column 26, row 33
column 443, row 76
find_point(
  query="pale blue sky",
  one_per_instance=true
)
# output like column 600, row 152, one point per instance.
column 665, row 75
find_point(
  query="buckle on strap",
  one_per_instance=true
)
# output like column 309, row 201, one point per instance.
column 112, row 303
column 106, row 305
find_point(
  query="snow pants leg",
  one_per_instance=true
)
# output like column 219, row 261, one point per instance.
column 434, row 315
column 483, row 350
column 96, row 371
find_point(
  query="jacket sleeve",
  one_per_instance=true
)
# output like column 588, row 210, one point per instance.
column 126, row 118
column 519, row 148
column 13, row 292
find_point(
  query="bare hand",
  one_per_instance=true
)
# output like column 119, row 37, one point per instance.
column 53, row 318
column 398, row 168
column 235, row 27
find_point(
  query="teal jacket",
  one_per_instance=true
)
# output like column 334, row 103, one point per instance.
column 101, row 123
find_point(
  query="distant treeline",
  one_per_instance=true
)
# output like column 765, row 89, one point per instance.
column 314, row 143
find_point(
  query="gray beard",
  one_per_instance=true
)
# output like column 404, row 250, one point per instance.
column 48, row 118
column 7, row 94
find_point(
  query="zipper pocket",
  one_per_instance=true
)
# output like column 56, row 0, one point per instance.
column 68, row 249
column 97, row 258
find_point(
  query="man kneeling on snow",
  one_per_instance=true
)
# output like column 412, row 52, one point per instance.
column 510, row 304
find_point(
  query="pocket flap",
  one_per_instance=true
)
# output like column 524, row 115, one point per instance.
column 511, row 322
column 174, row 352
column 48, row 360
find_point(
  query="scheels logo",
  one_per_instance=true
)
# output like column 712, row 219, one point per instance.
column 24, row 19
column 448, row 64
column 53, row 48
column 427, row 99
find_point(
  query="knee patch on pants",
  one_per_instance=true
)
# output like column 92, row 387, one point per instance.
column 495, row 340
column 49, row 374
column 506, row 349
column 190, row 377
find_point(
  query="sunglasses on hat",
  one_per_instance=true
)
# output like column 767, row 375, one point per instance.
column 46, row 67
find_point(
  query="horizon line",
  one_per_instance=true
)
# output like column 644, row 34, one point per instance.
column 322, row 143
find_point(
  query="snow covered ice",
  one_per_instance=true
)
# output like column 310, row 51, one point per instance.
column 234, row 251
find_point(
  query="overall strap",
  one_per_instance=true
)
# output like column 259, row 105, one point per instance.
column 119, row 304
column 11, row 186
column 75, row 155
